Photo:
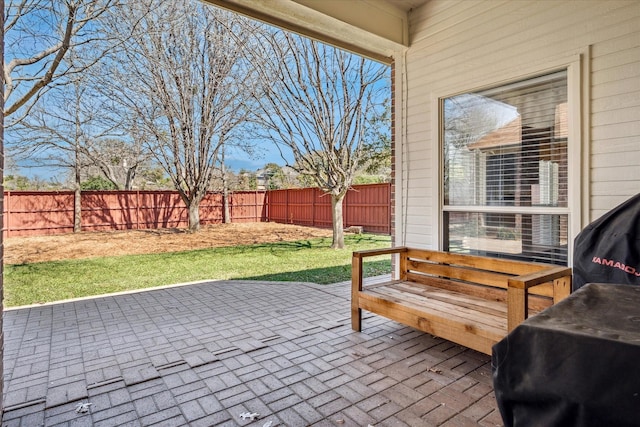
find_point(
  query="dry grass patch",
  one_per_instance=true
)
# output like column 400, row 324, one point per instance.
column 26, row 250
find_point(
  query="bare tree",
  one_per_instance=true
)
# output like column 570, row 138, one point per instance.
column 58, row 133
column 185, row 77
column 39, row 35
column 118, row 159
column 52, row 45
column 75, row 128
column 317, row 105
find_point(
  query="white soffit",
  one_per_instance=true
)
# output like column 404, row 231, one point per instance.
column 373, row 28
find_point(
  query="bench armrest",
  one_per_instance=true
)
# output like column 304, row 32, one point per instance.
column 356, row 279
column 376, row 252
column 356, row 263
column 527, row 281
column 518, row 295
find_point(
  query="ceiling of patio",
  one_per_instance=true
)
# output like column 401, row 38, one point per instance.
column 373, row 28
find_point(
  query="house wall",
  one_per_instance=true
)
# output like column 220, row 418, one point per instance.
column 462, row 45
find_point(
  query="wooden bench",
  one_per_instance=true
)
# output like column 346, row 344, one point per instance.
column 470, row 300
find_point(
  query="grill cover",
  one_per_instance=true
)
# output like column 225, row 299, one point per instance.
column 575, row 364
column 608, row 249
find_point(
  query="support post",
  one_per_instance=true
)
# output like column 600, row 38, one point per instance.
column 356, row 287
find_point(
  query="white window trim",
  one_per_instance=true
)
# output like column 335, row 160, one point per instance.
column 578, row 86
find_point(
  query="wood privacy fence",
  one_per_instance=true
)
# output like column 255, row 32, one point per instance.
column 368, row 206
column 30, row 213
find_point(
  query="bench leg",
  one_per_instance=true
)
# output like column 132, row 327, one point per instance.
column 356, row 288
column 356, row 319
column 517, row 307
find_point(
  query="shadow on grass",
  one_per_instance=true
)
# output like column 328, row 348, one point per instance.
column 320, row 242
column 326, row 275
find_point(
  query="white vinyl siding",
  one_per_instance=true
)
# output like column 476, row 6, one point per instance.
column 615, row 109
column 467, row 45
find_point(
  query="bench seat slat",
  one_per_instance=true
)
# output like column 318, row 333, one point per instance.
column 437, row 324
column 459, row 308
column 431, row 293
column 482, row 293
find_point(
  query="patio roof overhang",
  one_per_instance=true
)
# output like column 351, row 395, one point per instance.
column 376, row 29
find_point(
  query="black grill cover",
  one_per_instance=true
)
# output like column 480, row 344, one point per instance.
column 608, row 249
column 576, row 364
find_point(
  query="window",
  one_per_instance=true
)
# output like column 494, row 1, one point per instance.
column 505, row 171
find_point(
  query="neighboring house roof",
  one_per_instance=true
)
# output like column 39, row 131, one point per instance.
column 509, row 134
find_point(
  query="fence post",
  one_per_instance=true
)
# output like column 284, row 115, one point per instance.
column 286, row 209
column 313, row 207
column 76, row 210
column 267, row 201
column 137, row 209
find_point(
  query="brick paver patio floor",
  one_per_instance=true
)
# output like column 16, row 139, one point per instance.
column 202, row 354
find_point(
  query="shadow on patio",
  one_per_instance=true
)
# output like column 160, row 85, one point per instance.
column 202, row 354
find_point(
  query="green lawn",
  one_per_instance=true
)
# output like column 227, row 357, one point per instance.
column 304, row 261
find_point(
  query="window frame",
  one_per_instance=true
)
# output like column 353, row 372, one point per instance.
column 577, row 154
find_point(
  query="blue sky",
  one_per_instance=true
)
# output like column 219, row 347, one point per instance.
column 235, row 160
column 265, row 153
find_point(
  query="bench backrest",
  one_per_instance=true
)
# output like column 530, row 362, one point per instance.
column 475, row 275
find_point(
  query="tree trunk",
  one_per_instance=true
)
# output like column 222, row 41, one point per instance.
column 338, row 222
column 131, row 175
column 194, row 215
column 77, row 190
column 226, row 213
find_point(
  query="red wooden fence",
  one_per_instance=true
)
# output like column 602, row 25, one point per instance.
column 29, row 213
column 368, row 206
